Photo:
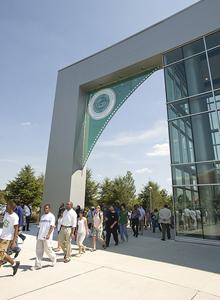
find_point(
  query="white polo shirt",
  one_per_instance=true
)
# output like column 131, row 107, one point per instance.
column 69, row 218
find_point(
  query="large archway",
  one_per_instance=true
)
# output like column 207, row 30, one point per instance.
column 90, row 92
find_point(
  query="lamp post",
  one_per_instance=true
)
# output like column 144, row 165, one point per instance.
column 150, row 190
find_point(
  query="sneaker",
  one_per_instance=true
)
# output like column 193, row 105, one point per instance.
column 15, row 268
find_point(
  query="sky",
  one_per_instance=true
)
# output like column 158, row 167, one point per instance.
column 40, row 37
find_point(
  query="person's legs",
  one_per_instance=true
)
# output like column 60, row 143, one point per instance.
column 115, row 234
column 163, row 231
column 141, row 226
column 122, row 232
column 125, row 231
column 136, row 226
column 28, row 222
column 133, row 227
column 61, row 240
column 94, row 242
column 68, row 242
column 159, row 226
column 153, row 225
column 99, row 236
column 168, row 231
column 39, row 253
column 49, row 251
column 108, row 236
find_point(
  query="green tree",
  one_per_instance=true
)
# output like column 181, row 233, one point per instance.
column 153, row 197
column 2, row 197
column 106, row 192
column 119, row 190
column 26, row 187
column 91, row 193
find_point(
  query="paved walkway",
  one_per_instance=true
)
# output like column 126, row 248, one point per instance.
column 144, row 268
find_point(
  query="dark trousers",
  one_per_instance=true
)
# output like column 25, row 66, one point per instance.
column 114, row 232
column 165, row 228
column 155, row 224
column 27, row 223
column 134, row 226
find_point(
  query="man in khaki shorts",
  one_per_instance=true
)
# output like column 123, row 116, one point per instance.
column 9, row 235
column 97, row 229
column 68, row 226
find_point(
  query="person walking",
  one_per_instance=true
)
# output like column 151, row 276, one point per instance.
column 165, row 220
column 82, row 231
column 20, row 212
column 155, row 219
column 44, row 237
column 97, row 228
column 141, row 219
column 68, row 226
column 123, row 222
column 58, row 225
column 27, row 213
column 135, row 220
column 9, row 235
column 111, row 226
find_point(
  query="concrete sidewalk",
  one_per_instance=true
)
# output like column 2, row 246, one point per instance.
column 144, row 268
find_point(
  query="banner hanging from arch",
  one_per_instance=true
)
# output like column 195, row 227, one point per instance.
column 103, row 104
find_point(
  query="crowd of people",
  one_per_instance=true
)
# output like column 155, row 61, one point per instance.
column 99, row 223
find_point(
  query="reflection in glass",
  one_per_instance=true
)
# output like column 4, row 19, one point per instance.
column 213, row 40
column 184, row 174
column 188, row 214
column 191, row 105
column 208, row 172
column 206, row 136
column 181, row 141
column 217, row 99
column 194, row 130
column 214, row 61
column 210, row 204
column 173, row 56
column 193, row 48
column 187, row 78
column 175, row 79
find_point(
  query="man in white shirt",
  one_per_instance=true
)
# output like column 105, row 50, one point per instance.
column 44, row 237
column 27, row 213
column 9, row 235
column 68, row 226
column 165, row 221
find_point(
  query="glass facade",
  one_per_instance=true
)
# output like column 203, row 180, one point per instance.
column 192, row 79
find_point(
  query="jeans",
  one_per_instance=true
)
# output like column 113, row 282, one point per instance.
column 123, row 231
column 155, row 224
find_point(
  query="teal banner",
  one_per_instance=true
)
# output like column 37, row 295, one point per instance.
column 103, row 104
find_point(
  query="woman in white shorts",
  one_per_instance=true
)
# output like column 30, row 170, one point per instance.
column 82, row 231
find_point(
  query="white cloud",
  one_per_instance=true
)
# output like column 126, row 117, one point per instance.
column 159, row 130
column 159, row 150
column 142, row 171
column 26, row 124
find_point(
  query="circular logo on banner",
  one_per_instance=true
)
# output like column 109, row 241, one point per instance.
column 102, row 104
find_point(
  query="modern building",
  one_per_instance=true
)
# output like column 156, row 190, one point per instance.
column 89, row 93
